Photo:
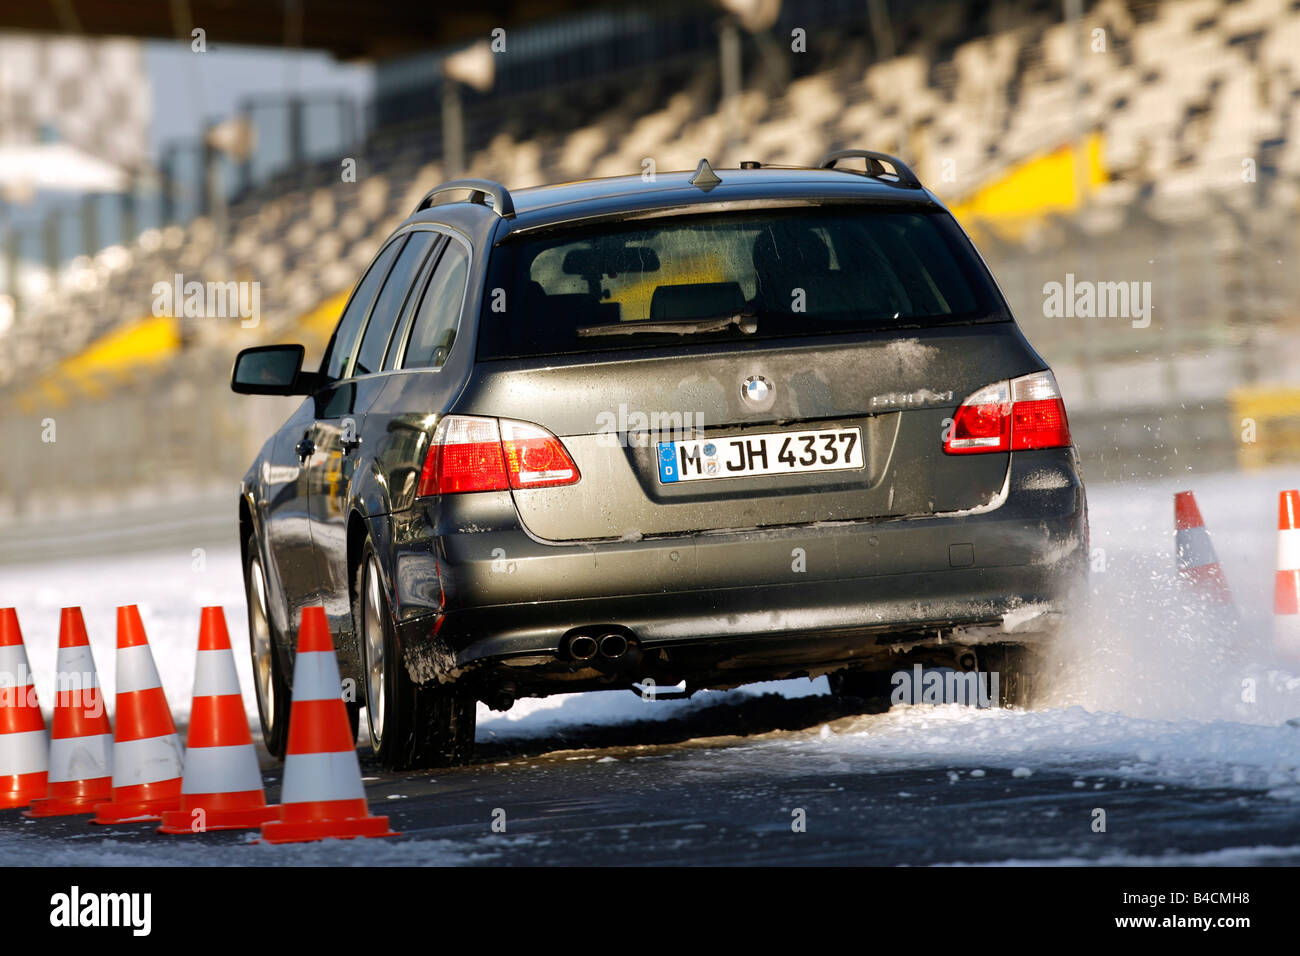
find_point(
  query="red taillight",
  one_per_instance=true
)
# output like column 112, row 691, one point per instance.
column 982, row 422
column 1039, row 424
column 1021, row 414
column 465, row 455
column 534, row 457
column 479, row 454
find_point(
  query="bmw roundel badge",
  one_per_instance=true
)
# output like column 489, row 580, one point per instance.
column 756, row 389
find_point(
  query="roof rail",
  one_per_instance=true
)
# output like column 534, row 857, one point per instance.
column 479, row 190
column 875, row 165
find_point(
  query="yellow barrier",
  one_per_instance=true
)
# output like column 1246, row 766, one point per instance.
column 108, row 360
column 1037, row 187
column 146, row 343
column 318, row 323
column 1268, row 423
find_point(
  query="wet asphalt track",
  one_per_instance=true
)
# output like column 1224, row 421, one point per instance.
column 691, row 790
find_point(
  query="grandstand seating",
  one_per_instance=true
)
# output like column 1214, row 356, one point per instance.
column 1183, row 93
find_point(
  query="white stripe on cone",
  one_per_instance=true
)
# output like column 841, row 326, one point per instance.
column 81, row 758
column 14, row 671
column 221, row 770
column 150, row 760
column 311, row 778
column 1194, row 548
column 76, row 669
column 136, row 670
column 316, row 676
column 1286, row 627
column 215, row 675
column 1288, row 549
column 23, row 752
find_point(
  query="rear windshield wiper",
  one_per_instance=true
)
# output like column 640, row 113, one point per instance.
column 743, row 320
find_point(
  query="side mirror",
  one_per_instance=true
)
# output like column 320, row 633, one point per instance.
column 271, row 370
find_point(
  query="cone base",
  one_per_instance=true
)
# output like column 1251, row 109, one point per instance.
column 1208, row 582
column 138, row 810
column 305, row 831
column 63, row 806
column 182, row 821
column 19, row 798
column 22, row 789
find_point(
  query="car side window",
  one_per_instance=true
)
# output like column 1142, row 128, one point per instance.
column 434, row 330
column 392, row 359
column 339, row 352
column 388, row 306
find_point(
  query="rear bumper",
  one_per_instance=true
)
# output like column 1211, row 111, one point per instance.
column 495, row 602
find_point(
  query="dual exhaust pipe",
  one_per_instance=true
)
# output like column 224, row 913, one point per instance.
column 585, row 647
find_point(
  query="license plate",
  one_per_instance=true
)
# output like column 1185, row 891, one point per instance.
column 743, row 456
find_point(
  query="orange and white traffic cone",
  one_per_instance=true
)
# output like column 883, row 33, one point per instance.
column 1286, row 589
column 1198, row 565
column 24, row 748
column 223, row 785
column 322, row 794
column 81, row 743
column 147, row 761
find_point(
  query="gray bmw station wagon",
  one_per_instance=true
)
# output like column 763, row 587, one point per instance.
column 720, row 427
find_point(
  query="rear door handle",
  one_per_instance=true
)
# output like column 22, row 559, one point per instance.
column 305, row 449
column 349, row 445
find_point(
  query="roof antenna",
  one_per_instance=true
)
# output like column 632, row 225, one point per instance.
column 705, row 178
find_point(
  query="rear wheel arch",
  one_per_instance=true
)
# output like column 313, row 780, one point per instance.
column 415, row 725
column 252, row 535
column 357, row 534
column 360, row 532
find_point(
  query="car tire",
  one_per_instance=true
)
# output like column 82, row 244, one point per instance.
column 411, row 725
column 1017, row 668
column 269, row 685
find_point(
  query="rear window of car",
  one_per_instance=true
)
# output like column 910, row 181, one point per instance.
column 738, row 276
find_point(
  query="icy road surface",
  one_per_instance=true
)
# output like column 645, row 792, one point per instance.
column 1174, row 726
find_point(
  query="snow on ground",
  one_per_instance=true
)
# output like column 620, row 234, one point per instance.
column 1142, row 648
column 1140, row 680
column 1186, row 752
